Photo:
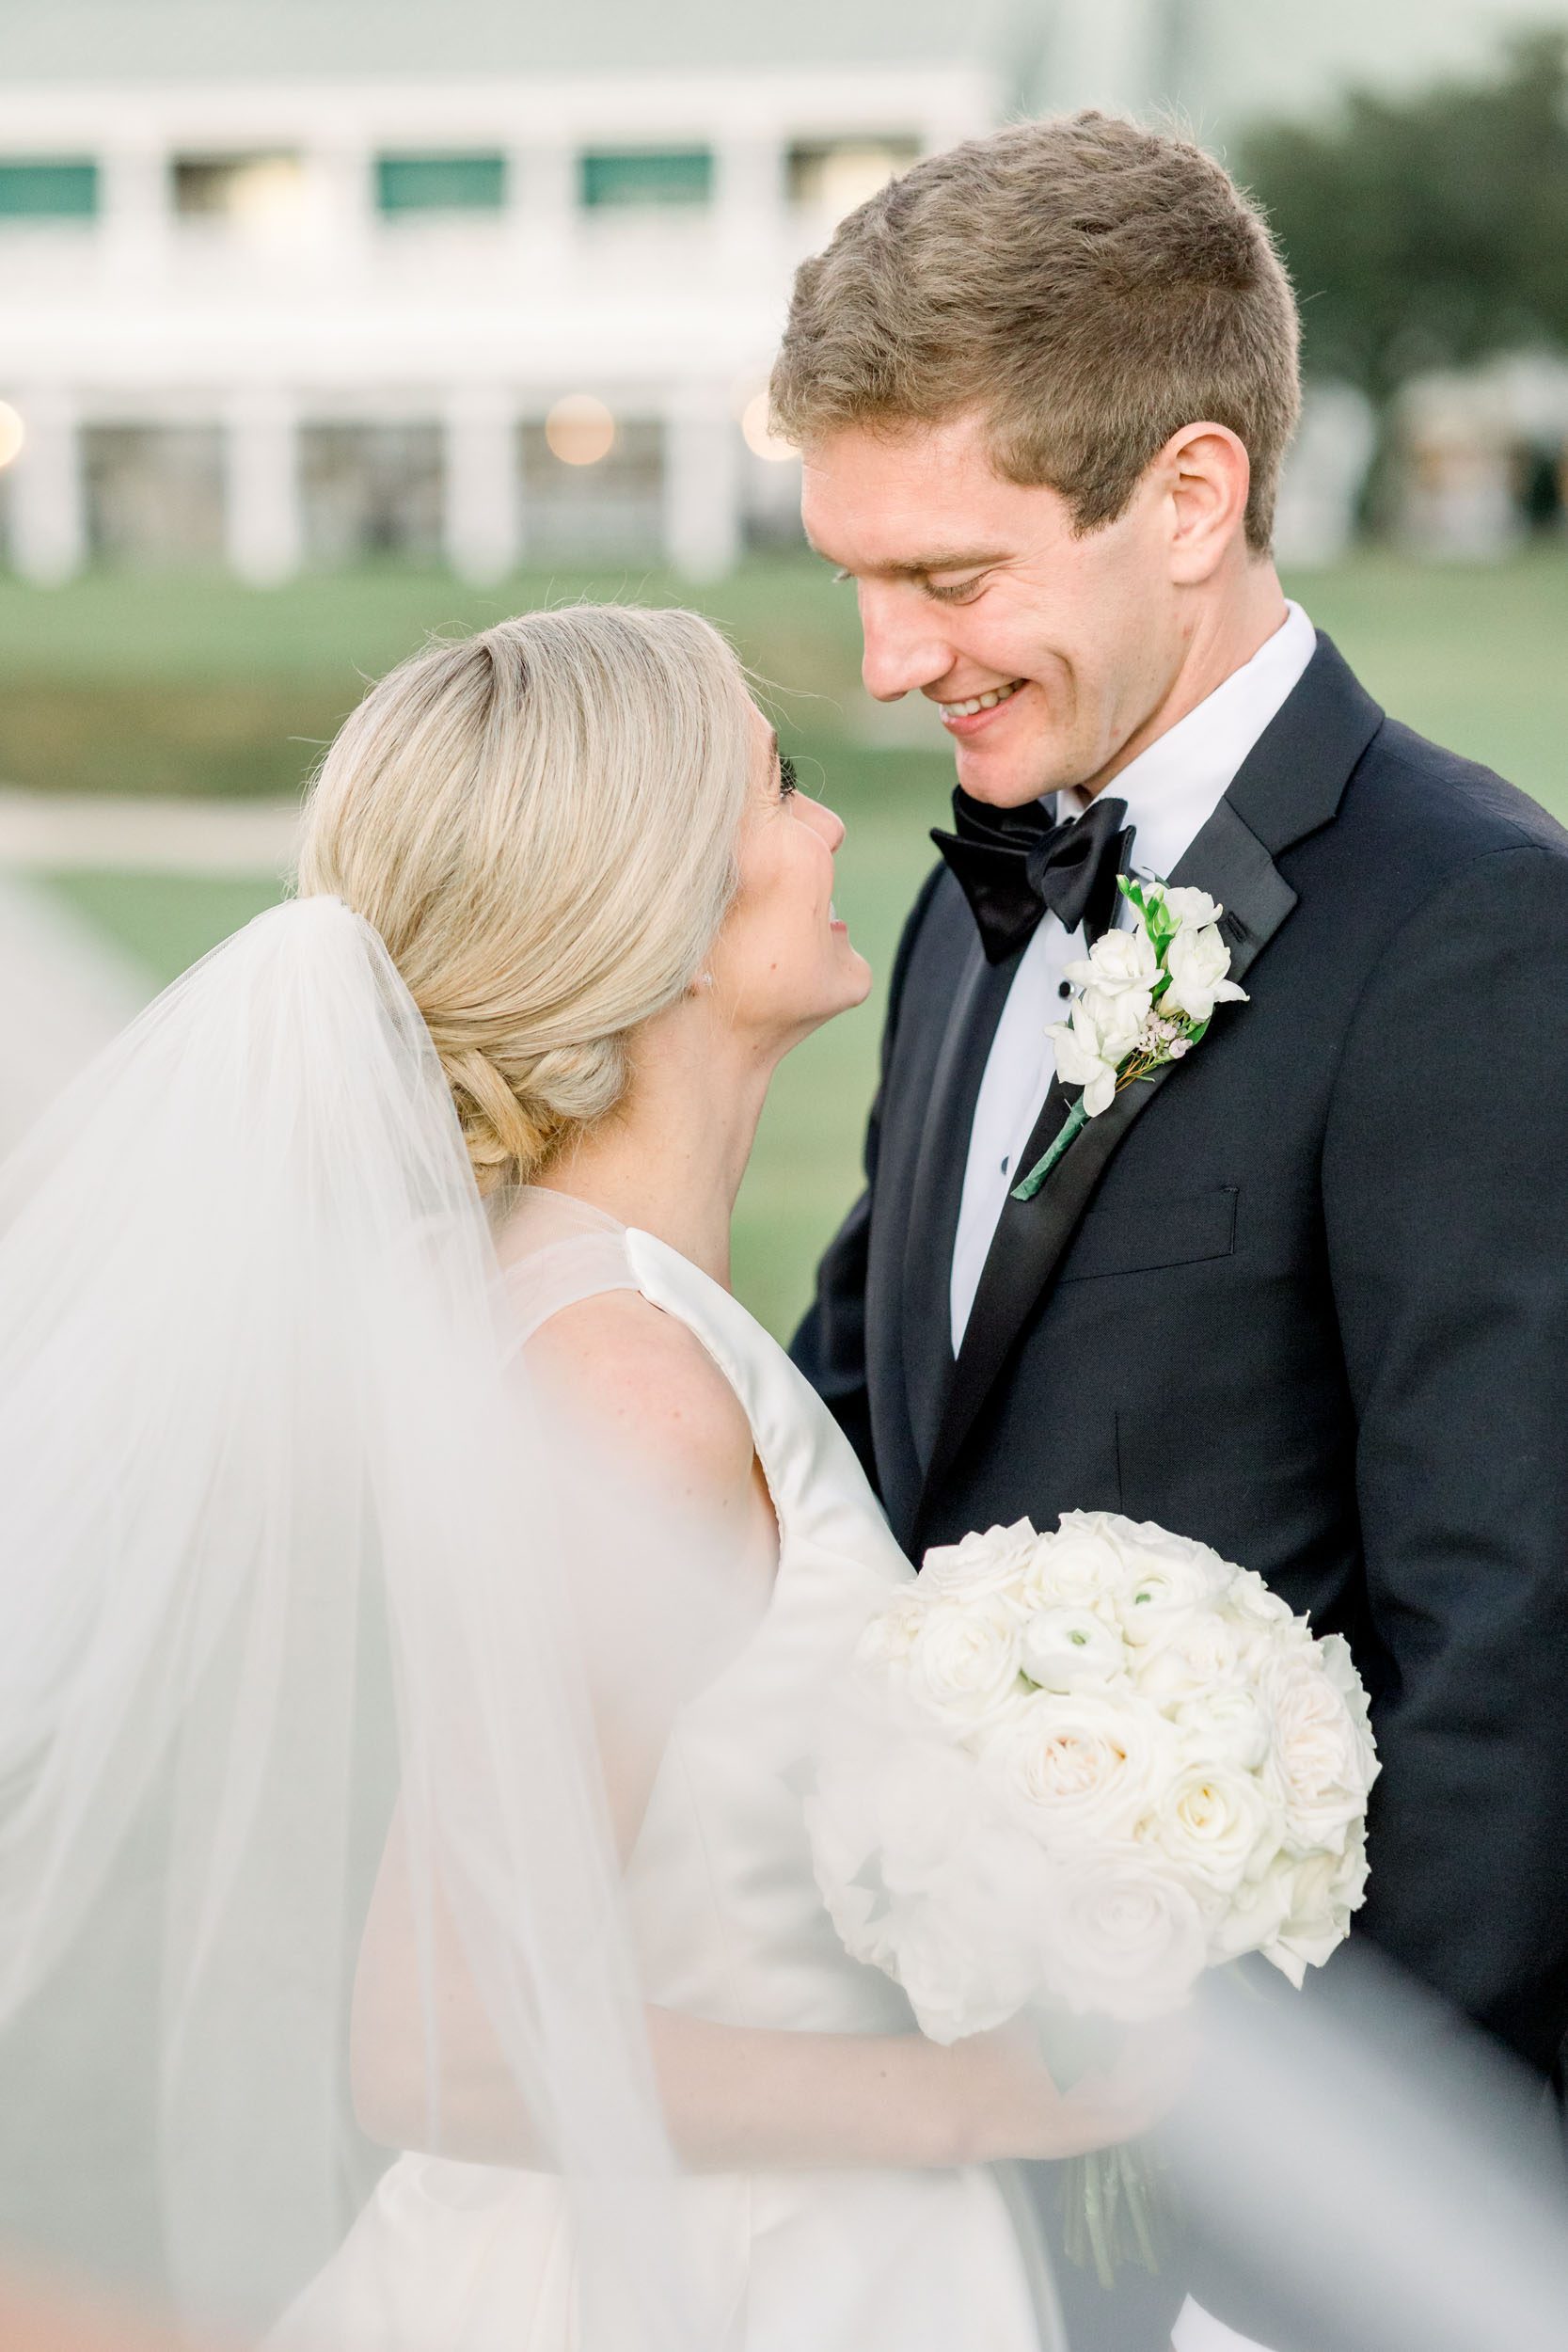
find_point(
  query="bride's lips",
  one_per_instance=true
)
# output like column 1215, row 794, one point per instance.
column 966, row 725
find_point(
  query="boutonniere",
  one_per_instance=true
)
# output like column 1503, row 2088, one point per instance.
column 1145, row 997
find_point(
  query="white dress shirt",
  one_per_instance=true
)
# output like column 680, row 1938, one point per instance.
column 1171, row 791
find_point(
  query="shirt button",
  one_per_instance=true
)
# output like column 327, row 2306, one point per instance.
column 1004, row 1164
column 1064, row 988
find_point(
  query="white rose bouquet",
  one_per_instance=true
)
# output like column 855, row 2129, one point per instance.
column 1073, row 1770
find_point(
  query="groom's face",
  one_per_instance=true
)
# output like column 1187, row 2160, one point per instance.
column 1046, row 652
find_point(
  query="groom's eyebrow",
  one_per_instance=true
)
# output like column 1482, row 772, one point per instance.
column 935, row 560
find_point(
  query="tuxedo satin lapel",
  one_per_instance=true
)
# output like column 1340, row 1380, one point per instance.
column 937, row 1190
column 1228, row 861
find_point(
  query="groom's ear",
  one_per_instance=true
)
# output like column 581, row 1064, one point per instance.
column 1202, row 476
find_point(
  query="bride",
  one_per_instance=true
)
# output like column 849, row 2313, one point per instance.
column 418, row 1576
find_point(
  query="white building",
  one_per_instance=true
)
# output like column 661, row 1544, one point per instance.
column 294, row 281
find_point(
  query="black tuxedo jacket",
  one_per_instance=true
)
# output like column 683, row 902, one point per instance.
column 1304, row 1295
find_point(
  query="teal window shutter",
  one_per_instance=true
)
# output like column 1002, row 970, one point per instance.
column 440, row 183
column 632, row 175
column 47, row 188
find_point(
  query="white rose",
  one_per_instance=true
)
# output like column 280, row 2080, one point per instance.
column 1319, row 1761
column 887, row 1640
column 1216, row 1825
column 1255, row 1915
column 1125, row 1939
column 1324, row 1890
column 1227, row 1724
column 1249, row 1602
column 1082, row 1768
column 996, row 1562
column 1084, row 1060
column 1197, row 962
column 964, row 1664
column 1072, row 1649
column 1136, row 1542
column 1205, row 1653
column 1194, row 908
column 1078, row 1568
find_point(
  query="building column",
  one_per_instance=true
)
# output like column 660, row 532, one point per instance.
column 47, row 492
column 136, row 206
column 749, row 197
column 481, row 521
column 264, row 524
column 702, row 485
column 542, row 198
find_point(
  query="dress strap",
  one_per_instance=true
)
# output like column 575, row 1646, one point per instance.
column 555, row 1251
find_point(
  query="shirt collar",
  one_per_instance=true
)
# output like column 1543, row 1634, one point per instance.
column 1174, row 788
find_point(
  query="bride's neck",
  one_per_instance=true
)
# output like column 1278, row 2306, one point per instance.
column 671, row 1159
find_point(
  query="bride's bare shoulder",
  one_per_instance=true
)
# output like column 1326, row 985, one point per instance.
column 647, row 1384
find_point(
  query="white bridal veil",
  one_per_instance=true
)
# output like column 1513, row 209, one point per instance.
column 278, row 1581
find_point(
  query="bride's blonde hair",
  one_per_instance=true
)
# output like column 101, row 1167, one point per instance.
column 541, row 822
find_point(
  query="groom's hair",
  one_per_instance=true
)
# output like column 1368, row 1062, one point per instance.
column 1087, row 285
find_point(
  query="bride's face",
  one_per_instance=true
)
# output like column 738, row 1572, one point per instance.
column 783, row 964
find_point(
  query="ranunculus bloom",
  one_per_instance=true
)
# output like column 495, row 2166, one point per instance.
column 1072, row 1649
column 1079, row 1568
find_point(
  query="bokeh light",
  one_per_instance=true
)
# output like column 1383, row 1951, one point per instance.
column 758, row 438
column 579, row 430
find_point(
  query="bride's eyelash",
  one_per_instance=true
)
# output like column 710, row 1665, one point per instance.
column 789, row 781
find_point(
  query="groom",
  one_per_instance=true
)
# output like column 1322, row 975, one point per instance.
column 1304, row 1297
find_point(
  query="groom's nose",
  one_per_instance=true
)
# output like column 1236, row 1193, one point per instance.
column 903, row 649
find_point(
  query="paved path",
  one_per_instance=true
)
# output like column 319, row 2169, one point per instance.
column 58, row 832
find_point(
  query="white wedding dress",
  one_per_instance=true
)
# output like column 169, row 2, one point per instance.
column 728, row 1925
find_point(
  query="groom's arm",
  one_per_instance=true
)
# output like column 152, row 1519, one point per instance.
column 829, row 1345
column 1445, row 1187
column 1445, row 1180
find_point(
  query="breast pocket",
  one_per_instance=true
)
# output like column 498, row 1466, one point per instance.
column 1141, row 1240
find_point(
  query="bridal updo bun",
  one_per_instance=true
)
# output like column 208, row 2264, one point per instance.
column 541, row 822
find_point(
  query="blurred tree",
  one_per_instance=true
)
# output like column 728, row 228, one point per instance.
column 1426, row 230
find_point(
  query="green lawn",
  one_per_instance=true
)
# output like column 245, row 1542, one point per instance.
column 192, row 685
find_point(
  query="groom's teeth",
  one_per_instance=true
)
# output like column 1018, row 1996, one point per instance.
column 980, row 701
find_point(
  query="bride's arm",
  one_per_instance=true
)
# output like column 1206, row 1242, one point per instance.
column 735, row 2098
column 674, row 1551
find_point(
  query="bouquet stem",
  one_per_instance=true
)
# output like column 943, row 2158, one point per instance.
column 1113, row 2211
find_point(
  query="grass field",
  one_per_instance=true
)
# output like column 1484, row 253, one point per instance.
column 183, row 686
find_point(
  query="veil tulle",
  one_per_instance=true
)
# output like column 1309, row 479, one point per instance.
column 277, row 1571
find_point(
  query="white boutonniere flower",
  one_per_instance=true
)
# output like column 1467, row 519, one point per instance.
column 1145, row 997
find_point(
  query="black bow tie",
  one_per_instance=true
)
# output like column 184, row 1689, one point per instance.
column 1013, row 863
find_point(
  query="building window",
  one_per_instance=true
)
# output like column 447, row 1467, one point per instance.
column 47, row 188
column 641, row 176
column 251, row 191
column 154, row 493
column 440, row 183
column 583, row 508
column 372, row 489
column 832, row 175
